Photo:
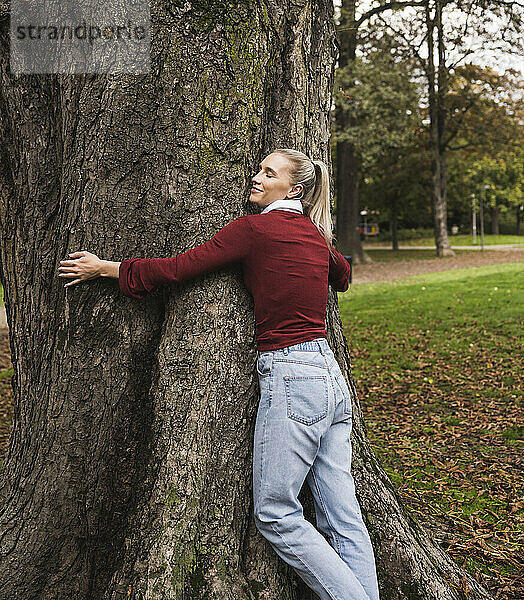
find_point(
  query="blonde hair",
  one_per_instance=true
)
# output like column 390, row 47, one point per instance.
column 313, row 175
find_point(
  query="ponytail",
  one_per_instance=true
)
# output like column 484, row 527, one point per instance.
column 320, row 207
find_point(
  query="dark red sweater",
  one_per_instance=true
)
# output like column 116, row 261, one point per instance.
column 286, row 266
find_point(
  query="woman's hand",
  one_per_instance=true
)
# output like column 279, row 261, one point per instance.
column 86, row 266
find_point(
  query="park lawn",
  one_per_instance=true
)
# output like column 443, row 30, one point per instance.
column 437, row 360
column 467, row 240
column 383, row 255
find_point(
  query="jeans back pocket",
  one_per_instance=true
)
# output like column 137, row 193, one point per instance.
column 307, row 398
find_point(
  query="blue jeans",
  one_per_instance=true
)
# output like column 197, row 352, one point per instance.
column 302, row 433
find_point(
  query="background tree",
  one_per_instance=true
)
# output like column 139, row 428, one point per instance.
column 128, row 471
column 348, row 168
column 485, row 110
column 504, row 176
column 398, row 187
column 440, row 34
column 484, row 124
column 384, row 109
column 486, row 136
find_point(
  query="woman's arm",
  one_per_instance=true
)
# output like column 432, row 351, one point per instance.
column 138, row 276
column 109, row 268
column 339, row 270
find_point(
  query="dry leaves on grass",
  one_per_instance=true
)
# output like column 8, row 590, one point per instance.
column 455, row 457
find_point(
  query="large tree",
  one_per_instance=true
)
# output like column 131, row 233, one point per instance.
column 128, row 471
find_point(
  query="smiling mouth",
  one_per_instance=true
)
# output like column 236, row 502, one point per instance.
column 253, row 189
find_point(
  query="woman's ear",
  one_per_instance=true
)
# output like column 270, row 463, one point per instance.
column 298, row 187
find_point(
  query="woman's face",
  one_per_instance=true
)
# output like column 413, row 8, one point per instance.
column 272, row 182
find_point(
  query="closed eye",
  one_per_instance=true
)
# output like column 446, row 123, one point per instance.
column 267, row 172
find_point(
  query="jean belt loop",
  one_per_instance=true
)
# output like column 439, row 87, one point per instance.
column 321, row 346
column 286, row 351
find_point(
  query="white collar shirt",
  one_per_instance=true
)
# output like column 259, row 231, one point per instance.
column 285, row 204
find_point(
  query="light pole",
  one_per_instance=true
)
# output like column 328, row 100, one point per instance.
column 482, row 199
column 474, row 220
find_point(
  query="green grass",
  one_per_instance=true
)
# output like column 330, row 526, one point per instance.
column 437, row 360
column 458, row 240
column 450, row 313
column 445, row 305
column 6, row 373
column 515, row 432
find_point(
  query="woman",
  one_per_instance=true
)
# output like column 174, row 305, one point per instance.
column 304, row 418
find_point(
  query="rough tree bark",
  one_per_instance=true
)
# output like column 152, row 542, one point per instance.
column 128, row 471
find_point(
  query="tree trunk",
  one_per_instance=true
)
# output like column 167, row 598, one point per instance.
column 348, row 213
column 128, row 471
column 394, row 222
column 517, row 215
column 494, row 210
column 348, row 168
column 437, row 115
